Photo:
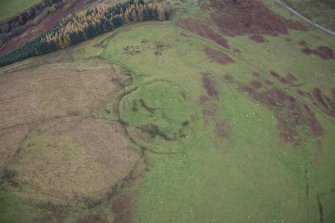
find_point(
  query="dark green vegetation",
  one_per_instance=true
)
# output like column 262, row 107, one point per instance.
column 321, row 11
column 234, row 118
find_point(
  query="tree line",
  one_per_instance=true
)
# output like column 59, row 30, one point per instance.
column 87, row 24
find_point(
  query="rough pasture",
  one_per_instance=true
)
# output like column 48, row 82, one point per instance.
column 215, row 142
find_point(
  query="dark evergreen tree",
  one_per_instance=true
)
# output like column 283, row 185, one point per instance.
column 107, row 25
column 117, row 21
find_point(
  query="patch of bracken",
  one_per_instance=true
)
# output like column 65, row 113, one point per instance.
column 236, row 50
column 244, row 17
column 301, row 92
column 208, row 112
column 221, row 130
column 209, row 86
column 268, row 82
column 322, row 101
column 203, row 99
column 204, row 6
column 290, row 114
column 96, row 218
column 257, row 38
column 314, row 126
column 289, row 79
column 218, row 56
column 323, row 52
column 229, row 78
column 302, row 43
column 203, row 30
column 256, row 74
column 256, row 84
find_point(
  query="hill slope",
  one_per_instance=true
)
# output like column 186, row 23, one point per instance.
column 220, row 115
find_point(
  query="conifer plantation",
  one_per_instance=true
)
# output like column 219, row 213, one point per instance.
column 87, row 24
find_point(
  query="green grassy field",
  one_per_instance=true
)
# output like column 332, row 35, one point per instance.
column 211, row 179
column 11, row 8
column 220, row 159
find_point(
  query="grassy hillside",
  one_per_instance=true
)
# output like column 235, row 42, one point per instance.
column 322, row 12
column 10, row 8
column 208, row 122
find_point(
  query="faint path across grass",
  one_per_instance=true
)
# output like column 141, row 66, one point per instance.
column 10, row 8
column 304, row 18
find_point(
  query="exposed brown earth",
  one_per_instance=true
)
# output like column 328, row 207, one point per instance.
column 218, row 56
